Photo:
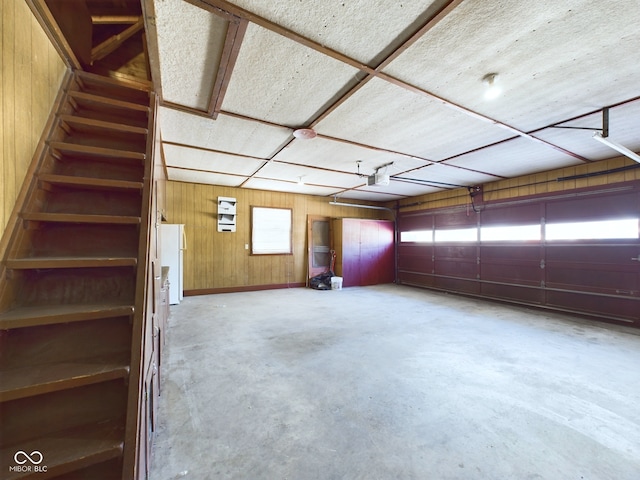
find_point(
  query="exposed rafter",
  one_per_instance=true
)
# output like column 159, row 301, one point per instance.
column 113, row 43
column 235, row 34
column 115, row 19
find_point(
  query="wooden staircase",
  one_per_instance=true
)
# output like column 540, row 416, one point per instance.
column 74, row 291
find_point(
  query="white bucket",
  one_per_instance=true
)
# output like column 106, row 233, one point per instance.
column 336, row 283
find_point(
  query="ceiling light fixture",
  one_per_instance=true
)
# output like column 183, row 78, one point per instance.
column 305, row 133
column 616, row 146
column 493, row 89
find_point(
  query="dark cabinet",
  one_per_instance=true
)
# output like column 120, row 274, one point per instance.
column 364, row 251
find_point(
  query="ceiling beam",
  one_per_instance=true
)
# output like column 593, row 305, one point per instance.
column 446, row 9
column 376, row 72
column 225, row 6
column 428, row 25
column 153, row 50
column 478, row 116
column 231, row 49
column 328, row 137
column 210, row 150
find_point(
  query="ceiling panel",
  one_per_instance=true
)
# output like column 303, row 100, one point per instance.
column 197, row 159
column 555, row 59
column 387, row 116
column 447, row 176
column 290, row 187
column 423, row 117
column 225, row 134
column 188, row 61
column 360, row 29
column 401, row 188
column 308, row 175
column 287, row 86
column 196, row 176
column 336, row 155
column 516, row 157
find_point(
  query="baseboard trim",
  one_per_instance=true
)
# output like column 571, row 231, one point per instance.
column 248, row 288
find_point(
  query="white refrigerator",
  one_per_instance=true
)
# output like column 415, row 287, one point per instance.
column 172, row 245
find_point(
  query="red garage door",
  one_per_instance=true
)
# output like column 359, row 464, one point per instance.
column 574, row 252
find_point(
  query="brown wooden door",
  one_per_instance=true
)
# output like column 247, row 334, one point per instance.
column 318, row 244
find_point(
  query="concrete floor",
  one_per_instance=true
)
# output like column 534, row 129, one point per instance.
column 392, row 382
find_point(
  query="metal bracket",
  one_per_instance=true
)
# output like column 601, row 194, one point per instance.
column 604, row 129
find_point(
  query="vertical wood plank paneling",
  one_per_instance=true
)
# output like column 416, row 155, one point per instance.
column 219, row 259
column 538, row 183
column 189, row 208
column 8, row 107
column 30, row 76
column 23, row 88
column 40, row 76
column 3, row 68
column 209, row 208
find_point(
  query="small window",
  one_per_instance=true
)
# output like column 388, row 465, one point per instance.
column 609, row 229
column 418, row 236
column 457, row 235
column 511, row 233
column 270, row 231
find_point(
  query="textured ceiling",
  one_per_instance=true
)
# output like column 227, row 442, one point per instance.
column 393, row 87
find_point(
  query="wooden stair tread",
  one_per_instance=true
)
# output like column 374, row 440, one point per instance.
column 110, row 102
column 70, row 262
column 101, row 124
column 86, row 150
column 49, row 314
column 100, row 132
column 68, row 450
column 96, row 79
column 89, row 182
column 79, row 218
column 35, row 380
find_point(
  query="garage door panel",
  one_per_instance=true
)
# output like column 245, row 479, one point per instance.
column 456, row 268
column 588, row 279
column 459, row 285
column 523, row 273
column 411, row 278
column 513, row 292
column 607, row 307
column 456, row 252
column 507, row 253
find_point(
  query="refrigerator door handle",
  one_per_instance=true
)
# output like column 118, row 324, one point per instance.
column 184, row 240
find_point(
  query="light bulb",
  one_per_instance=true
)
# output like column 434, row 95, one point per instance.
column 493, row 89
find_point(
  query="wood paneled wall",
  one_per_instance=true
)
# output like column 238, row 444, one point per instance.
column 218, row 260
column 539, row 183
column 30, row 76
